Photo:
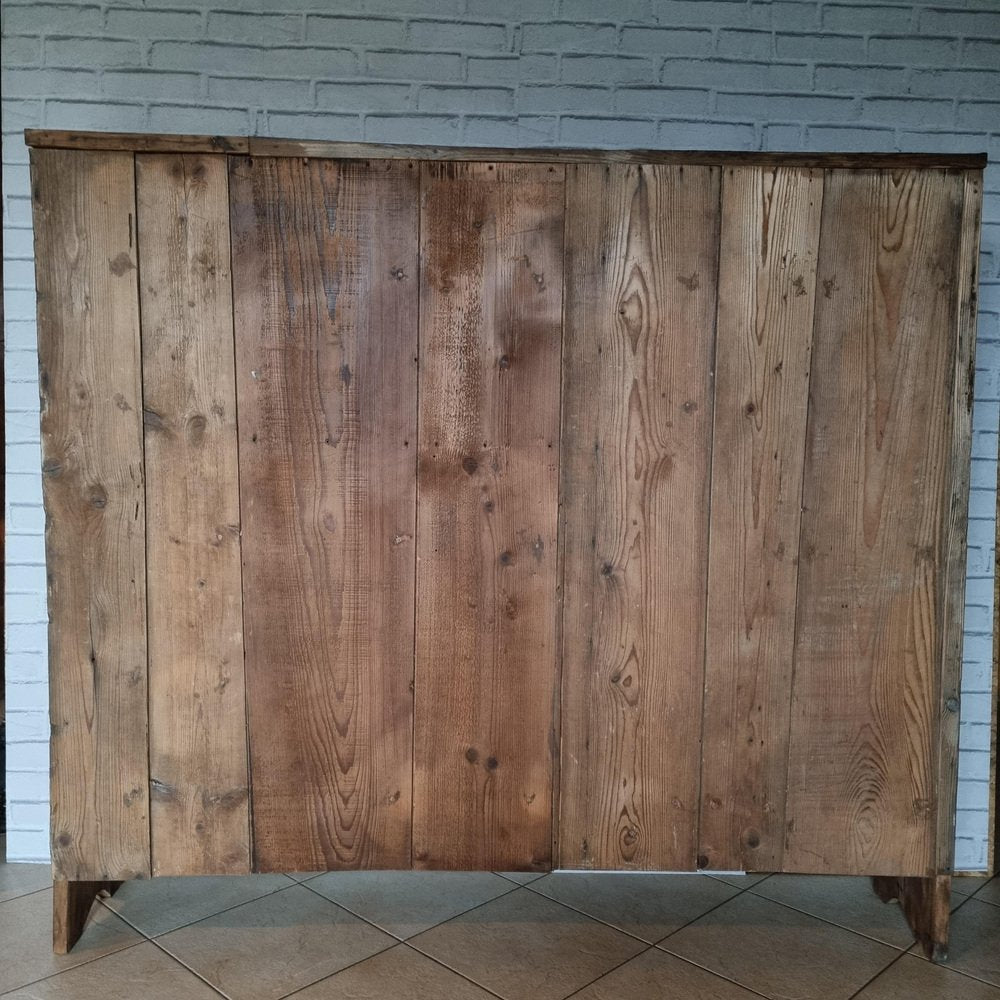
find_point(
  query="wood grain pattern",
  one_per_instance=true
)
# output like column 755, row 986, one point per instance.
column 865, row 695
column 486, row 663
column 89, row 374
column 199, row 810
column 767, row 285
column 642, row 252
column 926, row 905
column 136, row 142
column 71, row 904
column 953, row 566
column 325, row 291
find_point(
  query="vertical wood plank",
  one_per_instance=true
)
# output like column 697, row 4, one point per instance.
column 865, row 695
column 197, row 717
column 767, row 284
column 486, row 663
column 642, row 258
column 956, row 527
column 325, row 295
column 89, row 374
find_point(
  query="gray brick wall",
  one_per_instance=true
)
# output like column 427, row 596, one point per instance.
column 736, row 74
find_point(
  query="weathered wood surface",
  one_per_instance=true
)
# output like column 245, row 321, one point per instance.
column 641, row 258
column 867, row 676
column 71, row 904
column 136, row 142
column 767, row 284
column 89, row 374
column 325, row 291
column 953, row 559
column 199, row 809
column 926, row 904
column 267, row 146
column 486, row 658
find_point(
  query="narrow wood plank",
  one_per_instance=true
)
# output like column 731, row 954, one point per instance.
column 267, row 146
column 89, row 374
column 642, row 256
column 137, row 142
column 199, row 808
column 325, row 291
column 486, row 665
column 956, row 499
column 767, row 285
column 865, row 696
column 926, row 904
column 71, row 904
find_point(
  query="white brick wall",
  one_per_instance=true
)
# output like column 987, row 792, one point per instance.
column 717, row 74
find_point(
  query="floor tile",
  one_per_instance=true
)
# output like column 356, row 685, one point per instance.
column 406, row 903
column 526, row 947
column 271, row 946
column 968, row 885
column 778, row 951
column 650, row 906
column 18, row 879
column 741, row 881
column 26, row 939
column 655, row 975
column 302, row 876
column 158, row 905
column 974, row 941
column 522, row 878
column 143, row 971
column 912, row 979
column 989, row 892
column 400, row 974
column 848, row 901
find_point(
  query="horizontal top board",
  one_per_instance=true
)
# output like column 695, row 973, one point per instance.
column 144, row 142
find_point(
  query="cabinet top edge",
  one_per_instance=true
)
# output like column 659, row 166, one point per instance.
column 143, row 142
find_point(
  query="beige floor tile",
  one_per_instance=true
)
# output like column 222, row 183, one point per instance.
column 741, row 881
column 18, row 879
column 400, row 974
column 655, row 975
column 406, row 903
column 989, row 892
column 974, row 941
column 273, row 945
column 522, row 878
column 968, row 885
column 156, row 906
column 778, row 951
column 911, row 979
column 647, row 905
column 140, row 973
column 26, row 939
column 848, row 901
column 523, row 945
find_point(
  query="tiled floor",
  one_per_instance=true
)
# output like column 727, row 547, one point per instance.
column 472, row 936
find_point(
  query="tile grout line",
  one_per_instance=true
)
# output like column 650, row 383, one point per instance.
column 73, row 968
column 454, row 916
column 323, row 979
column 194, row 972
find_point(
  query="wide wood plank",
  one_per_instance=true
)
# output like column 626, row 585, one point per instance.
column 866, row 688
column 200, row 821
column 642, row 257
column 767, row 284
column 89, row 373
column 486, row 664
column 325, row 291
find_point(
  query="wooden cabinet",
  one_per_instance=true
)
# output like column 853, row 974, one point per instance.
column 503, row 509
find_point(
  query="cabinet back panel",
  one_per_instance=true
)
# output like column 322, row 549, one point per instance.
column 503, row 515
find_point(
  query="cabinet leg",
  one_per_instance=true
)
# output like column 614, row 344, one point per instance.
column 926, row 904
column 71, row 902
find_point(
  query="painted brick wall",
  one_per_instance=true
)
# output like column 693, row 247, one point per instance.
column 717, row 74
